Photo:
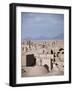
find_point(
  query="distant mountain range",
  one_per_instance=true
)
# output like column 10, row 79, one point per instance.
column 59, row 37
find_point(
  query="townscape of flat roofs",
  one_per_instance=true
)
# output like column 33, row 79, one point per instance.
column 40, row 58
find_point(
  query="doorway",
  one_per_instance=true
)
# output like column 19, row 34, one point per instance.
column 30, row 60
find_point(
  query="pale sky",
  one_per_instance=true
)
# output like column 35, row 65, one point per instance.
column 41, row 25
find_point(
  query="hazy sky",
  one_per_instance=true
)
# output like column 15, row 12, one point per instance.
column 34, row 25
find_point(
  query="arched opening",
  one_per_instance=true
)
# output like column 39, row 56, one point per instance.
column 61, row 49
column 51, row 51
column 47, row 67
column 62, row 52
column 58, row 54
